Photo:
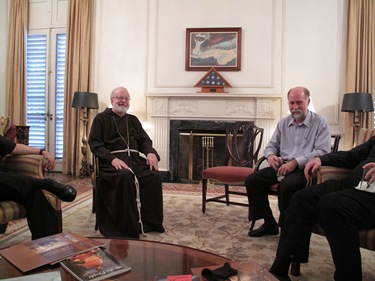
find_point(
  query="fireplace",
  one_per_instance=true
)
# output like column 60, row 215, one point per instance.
column 169, row 114
column 186, row 157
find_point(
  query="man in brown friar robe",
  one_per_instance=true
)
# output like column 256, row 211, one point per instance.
column 117, row 139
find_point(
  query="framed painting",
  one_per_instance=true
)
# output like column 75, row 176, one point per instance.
column 213, row 47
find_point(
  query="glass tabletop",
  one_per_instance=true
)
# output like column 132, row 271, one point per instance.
column 147, row 259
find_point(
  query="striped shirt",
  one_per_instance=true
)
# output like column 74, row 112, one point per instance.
column 301, row 142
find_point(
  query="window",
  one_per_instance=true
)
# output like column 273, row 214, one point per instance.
column 45, row 73
column 36, row 69
column 59, row 90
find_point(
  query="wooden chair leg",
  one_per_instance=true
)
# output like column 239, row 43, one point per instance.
column 3, row 227
column 58, row 216
column 295, row 268
column 93, row 200
column 204, row 195
column 227, row 194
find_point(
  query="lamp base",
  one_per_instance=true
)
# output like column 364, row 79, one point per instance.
column 85, row 170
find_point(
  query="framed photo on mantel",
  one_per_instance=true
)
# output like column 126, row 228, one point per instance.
column 213, row 47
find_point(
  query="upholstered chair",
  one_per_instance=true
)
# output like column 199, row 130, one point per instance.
column 243, row 142
column 31, row 165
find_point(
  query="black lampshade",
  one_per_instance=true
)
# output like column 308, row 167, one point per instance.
column 357, row 102
column 85, row 99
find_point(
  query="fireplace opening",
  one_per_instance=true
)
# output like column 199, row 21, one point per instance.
column 187, row 157
column 199, row 150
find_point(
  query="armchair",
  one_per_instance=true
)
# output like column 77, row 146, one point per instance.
column 7, row 129
column 31, row 165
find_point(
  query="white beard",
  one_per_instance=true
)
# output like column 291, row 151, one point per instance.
column 121, row 109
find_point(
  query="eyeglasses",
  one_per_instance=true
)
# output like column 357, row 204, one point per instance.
column 122, row 98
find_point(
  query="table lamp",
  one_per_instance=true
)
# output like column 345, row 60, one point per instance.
column 357, row 103
column 85, row 100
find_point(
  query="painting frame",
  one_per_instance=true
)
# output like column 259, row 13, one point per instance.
column 209, row 52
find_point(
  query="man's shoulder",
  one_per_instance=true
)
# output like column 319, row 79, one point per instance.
column 133, row 118
column 315, row 115
column 106, row 111
column 285, row 119
column 315, row 118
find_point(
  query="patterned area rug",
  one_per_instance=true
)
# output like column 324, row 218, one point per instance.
column 221, row 230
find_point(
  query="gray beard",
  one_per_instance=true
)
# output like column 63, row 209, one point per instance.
column 299, row 117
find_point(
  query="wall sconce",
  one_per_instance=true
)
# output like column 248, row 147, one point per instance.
column 357, row 103
column 85, row 100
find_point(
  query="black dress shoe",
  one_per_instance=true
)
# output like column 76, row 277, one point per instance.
column 264, row 230
column 65, row 193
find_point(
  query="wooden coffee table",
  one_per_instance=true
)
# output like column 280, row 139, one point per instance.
column 147, row 259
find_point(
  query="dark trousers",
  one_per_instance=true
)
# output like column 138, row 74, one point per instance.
column 40, row 214
column 341, row 212
column 258, row 185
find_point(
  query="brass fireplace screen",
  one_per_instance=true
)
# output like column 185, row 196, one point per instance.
column 198, row 151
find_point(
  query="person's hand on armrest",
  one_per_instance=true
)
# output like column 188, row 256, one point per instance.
column 311, row 167
column 370, row 175
column 21, row 149
column 274, row 161
column 152, row 161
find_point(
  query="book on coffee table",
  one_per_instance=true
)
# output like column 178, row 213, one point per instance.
column 46, row 276
column 48, row 250
column 93, row 265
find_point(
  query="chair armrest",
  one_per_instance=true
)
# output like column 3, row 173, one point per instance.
column 53, row 200
column 322, row 174
column 261, row 163
column 330, row 172
column 29, row 164
column 34, row 166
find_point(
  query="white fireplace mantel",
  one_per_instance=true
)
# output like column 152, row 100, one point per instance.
column 264, row 110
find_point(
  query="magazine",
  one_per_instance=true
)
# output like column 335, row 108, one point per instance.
column 95, row 264
column 48, row 276
column 48, row 250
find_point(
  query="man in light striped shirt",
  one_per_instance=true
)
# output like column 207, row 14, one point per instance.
column 298, row 138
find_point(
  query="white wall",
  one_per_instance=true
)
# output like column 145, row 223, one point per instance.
column 141, row 44
column 314, row 53
column 121, row 35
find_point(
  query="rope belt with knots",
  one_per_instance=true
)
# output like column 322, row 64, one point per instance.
column 136, row 183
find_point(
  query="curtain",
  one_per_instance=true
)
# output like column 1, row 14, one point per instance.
column 16, row 62
column 360, row 65
column 77, row 78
